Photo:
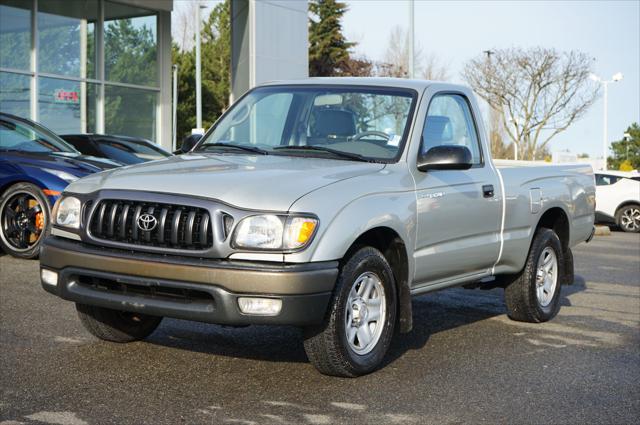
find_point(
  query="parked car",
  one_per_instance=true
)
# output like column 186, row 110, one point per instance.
column 35, row 167
column 326, row 204
column 124, row 150
column 618, row 199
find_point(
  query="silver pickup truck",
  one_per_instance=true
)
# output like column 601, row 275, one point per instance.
column 322, row 203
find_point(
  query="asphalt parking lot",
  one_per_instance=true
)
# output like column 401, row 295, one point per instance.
column 464, row 362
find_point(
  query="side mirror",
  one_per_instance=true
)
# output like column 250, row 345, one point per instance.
column 446, row 157
column 188, row 143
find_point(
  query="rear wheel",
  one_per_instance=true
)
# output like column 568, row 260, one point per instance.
column 359, row 325
column 116, row 326
column 534, row 294
column 628, row 218
column 24, row 220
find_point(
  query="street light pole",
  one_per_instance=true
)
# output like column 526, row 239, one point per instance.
column 605, row 132
column 174, row 118
column 198, row 71
column 411, row 40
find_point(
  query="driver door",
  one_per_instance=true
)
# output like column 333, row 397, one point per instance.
column 458, row 218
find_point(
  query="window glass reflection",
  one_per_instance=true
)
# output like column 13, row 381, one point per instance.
column 66, row 37
column 130, row 45
column 67, row 106
column 15, row 34
column 130, row 112
column 14, row 94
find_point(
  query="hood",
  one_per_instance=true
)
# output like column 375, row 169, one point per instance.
column 76, row 164
column 258, row 182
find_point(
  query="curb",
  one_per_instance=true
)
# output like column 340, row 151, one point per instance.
column 602, row 231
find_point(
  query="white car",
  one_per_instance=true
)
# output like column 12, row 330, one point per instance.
column 618, row 199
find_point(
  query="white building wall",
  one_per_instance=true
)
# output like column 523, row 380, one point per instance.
column 269, row 42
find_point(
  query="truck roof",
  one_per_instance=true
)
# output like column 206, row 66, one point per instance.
column 415, row 84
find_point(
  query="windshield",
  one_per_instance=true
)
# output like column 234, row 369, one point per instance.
column 129, row 152
column 19, row 136
column 335, row 122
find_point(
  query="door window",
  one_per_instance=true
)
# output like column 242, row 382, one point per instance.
column 449, row 122
column 606, row 180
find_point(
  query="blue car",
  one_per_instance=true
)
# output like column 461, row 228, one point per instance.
column 35, row 167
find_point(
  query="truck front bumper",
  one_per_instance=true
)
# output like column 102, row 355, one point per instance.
column 185, row 288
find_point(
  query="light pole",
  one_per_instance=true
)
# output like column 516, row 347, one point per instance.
column 515, row 134
column 198, row 73
column 605, row 136
column 627, row 139
column 411, row 40
column 174, row 118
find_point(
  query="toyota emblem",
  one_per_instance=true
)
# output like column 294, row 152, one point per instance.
column 147, row 222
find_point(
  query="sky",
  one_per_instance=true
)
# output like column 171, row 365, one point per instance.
column 456, row 31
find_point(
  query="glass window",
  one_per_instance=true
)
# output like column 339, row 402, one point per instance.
column 67, row 106
column 347, row 123
column 130, row 152
column 16, row 135
column 14, row 94
column 15, row 34
column 130, row 45
column 130, row 112
column 449, row 122
column 66, row 37
column 606, row 180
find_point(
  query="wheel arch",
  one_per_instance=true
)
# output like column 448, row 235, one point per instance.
column 556, row 219
column 627, row 203
column 392, row 246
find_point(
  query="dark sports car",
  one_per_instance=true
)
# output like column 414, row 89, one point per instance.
column 124, row 150
column 35, row 167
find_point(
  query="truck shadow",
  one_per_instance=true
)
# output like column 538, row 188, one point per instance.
column 433, row 313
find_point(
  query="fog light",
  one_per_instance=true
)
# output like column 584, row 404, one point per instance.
column 260, row 306
column 49, row 277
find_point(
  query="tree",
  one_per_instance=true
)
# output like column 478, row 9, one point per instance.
column 627, row 149
column 396, row 59
column 216, row 72
column 540, row 92
column 328, row 47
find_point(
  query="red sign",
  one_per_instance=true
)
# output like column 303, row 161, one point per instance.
column 62, row 96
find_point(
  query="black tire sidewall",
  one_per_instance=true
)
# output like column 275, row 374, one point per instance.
column 36, row 192
column 366, row 260
column 546, row 238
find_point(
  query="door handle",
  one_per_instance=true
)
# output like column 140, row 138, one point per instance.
column 487, row 190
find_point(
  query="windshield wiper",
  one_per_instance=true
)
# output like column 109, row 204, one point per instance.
column 234, row 146
column 342, row 154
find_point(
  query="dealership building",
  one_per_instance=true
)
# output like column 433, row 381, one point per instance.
column 104, row 66
column 93, row 66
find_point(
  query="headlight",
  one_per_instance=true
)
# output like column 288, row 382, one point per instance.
column 68, row 177
column 274, row 232
column 67, row 212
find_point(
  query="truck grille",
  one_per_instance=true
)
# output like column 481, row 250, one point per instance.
column 167, row 225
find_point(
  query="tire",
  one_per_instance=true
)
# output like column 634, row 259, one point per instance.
column 526, row 299
column 24, row 220
column 628, row 218
column 365, row 289
column 114, row 325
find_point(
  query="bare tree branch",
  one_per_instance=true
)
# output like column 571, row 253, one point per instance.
column 540, row 91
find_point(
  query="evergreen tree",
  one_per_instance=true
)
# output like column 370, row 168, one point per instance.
column 328, row 47
column 627, row 150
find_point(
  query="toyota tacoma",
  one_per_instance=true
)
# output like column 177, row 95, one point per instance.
column 325, row 204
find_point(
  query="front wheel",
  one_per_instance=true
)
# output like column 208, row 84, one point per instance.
column 114, row 325
column 628, row 218
column 534, row 294
column 359, row 325
column 24, row 220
